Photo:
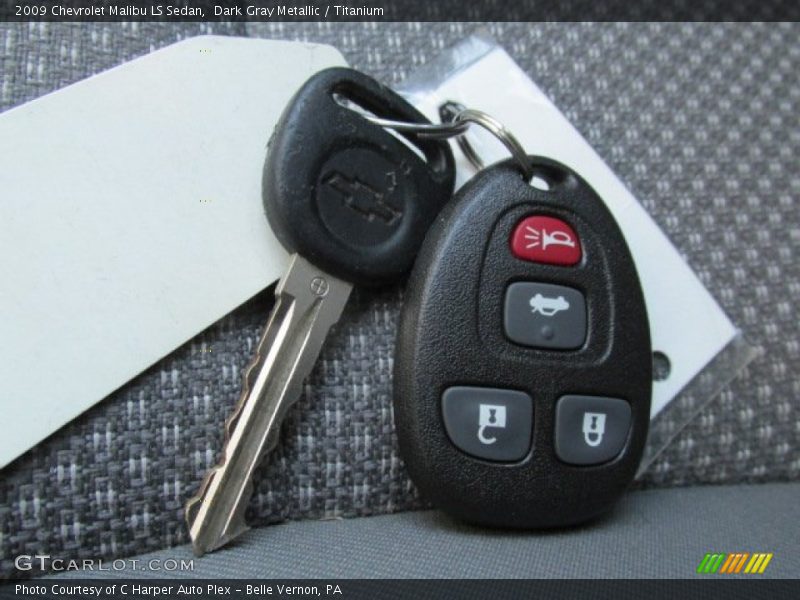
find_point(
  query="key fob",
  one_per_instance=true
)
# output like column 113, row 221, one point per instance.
column 523, row 368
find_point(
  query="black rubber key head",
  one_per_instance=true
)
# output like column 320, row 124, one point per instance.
column 346, row 194
column 522, row 383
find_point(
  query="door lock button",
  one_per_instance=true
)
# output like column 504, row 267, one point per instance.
column 591, row 430
column 489, row 423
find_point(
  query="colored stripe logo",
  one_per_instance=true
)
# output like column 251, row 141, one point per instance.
column 734, row 562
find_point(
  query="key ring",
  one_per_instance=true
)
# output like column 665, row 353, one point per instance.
column 456, row 120
column 427, row 131
column 497, row 129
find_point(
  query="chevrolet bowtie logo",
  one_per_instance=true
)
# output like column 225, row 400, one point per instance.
column 364, row 200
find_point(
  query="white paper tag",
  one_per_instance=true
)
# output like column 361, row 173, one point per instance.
column 686, row 323
column 131, row 219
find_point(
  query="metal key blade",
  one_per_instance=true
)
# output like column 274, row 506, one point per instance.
column 308, row 302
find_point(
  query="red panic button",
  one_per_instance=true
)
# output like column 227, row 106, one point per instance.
column 546, row 240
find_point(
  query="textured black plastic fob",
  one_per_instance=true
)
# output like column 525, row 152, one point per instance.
column 451, row 334
column 346, row 194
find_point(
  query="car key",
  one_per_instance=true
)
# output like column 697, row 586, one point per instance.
column 352, row 202
column 523, row 367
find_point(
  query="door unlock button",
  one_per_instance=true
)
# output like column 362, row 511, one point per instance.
column 490, row 415
column 489, row 423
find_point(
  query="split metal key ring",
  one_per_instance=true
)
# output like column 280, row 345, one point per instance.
column 458, row 119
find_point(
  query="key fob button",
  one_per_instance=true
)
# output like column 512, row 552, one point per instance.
column 489, row 423
column 542, row 315
column 548, row 240
column 591, row 430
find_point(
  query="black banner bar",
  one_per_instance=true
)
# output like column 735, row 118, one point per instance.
column 700, row 588
column 398, row 10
